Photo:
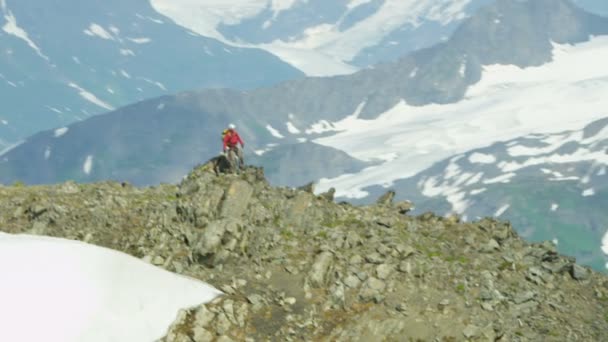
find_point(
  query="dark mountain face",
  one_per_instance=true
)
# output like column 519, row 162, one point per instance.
column 62, row 61
column 158, row 140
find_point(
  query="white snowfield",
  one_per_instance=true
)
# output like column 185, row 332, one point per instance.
column 508, row 102
column 58, row 290
column 320, row 50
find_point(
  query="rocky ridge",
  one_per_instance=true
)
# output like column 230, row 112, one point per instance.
column 296, row 267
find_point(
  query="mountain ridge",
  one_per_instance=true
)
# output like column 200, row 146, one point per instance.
column 293, row 265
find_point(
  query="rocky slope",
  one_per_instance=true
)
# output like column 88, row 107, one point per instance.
column 295, row 266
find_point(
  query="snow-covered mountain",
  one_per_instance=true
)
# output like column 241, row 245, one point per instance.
column 324, row 37
column 65, row 61
column 429, row 105
column 330, row 37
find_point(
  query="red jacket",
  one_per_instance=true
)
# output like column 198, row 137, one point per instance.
column 231, row 139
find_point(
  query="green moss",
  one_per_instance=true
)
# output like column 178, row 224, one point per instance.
column 18, row 184
column 287, row 234
column 460, row 289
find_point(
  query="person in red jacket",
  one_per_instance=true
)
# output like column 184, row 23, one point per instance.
column 231, row 140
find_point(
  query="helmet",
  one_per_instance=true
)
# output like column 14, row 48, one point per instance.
column 231, row 126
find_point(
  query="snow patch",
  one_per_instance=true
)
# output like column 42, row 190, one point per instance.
column 501, row 210
column 12, row 28
column 53, row 109
column 481, row 158
column 90, row 97
column 125, row 74
column 60, row 131
column 142, row 40
column 274, row 132
column 83, row 292
column 96, row 30
column 127, row 52
column 413, row 73
column 88, row 165
column 588, row 192
column 291, row 128
column 321, row 126
column 47, row 153
column 505, row 178
column 477, row 191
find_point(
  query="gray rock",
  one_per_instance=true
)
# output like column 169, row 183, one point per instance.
column 201, row 334
column 328, row 195
column 374, row 258
column 404, row 207
column 355, row 260
column 256, row 301
column 222, row 324
column 578, row 272
column 490, row 247
column 211, row 238
column 470, row 331
column 236, row 199
column 372, row 289
column 352, row 281
column 203, row 316
column 523, row 297
column 383, row 271
column 309, row 188
column 405, row 250
column 386, row 198
column 320, row 268
column 405, row 267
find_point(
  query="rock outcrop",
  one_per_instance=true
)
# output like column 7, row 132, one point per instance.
column 296, row 267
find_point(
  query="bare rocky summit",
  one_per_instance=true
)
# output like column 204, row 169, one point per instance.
column 299, row 267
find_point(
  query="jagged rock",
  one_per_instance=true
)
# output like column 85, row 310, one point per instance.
column 374, row 258
column 328, row 195
column 405, row 250
column 405, row 267
column 352, row 281
column 236, row 199
column 383, row 271
column 523, row 297
column 203, row 316
column 386, row 198
column 320, row 268
column 200, row 334
column 256, row 301
column 470, row 331
column 490, row 247
column 310, row 188
column 404, row 207
column 578, row 272
column 372, row 289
